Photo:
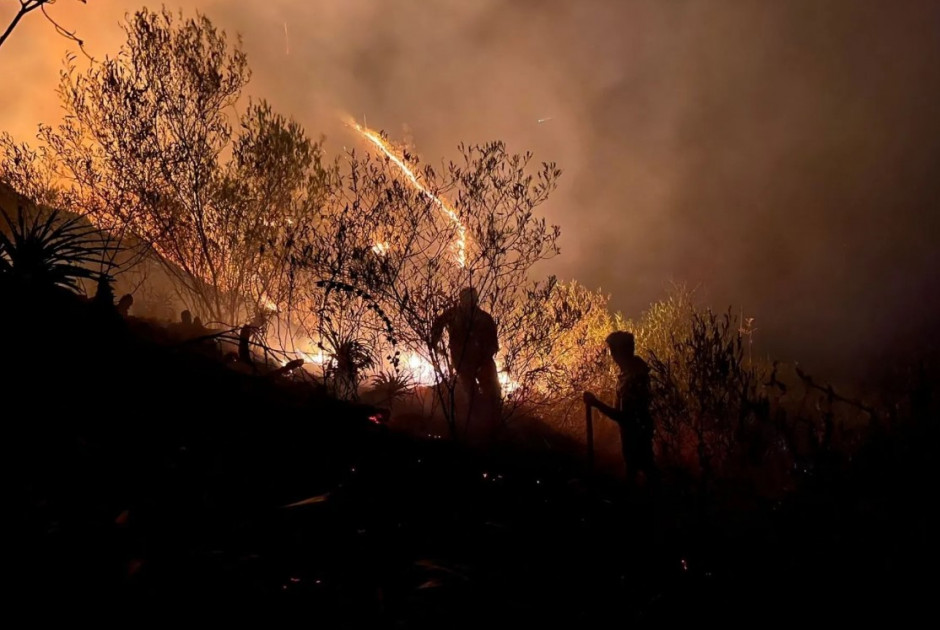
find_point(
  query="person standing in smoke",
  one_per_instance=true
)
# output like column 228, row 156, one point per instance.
column 473, row 345
column 632, row 408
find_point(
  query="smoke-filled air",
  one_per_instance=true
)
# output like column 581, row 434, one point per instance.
column 465, row 313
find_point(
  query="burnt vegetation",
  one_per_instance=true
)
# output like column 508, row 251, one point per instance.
column 295, row 434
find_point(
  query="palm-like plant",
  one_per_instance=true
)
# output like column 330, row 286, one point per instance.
column 46, row 249
column 394, row 384
column 350, row 357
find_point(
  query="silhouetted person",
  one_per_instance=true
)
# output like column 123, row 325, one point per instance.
column 632, row 408
column 473, row 344
column 104, row 294
column 124, row 304
column 182, row 329
column 102, row 304
column 255, row 327
column 244, row 343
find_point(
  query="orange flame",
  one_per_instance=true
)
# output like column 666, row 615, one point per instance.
column 389, row 151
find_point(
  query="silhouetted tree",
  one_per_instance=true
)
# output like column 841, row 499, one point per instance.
column 247, row 218
column 555, row 349
column 149, row 146
column 412, row 254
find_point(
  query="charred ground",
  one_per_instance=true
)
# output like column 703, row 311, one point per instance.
column 145, row 469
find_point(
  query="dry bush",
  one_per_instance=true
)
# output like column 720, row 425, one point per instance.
column 149, row 150
column 556, row 350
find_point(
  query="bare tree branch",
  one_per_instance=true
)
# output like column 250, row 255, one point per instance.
column 25, row 7
column 63, row 31
column 28, row 6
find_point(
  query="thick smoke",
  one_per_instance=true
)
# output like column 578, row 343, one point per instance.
column 782, row 155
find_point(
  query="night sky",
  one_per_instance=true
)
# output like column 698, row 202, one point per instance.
column 781, row 156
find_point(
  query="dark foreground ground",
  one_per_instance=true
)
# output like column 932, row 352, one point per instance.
column 140, row 473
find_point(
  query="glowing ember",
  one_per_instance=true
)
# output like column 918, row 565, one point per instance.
column 380, row 248
column 372, row 136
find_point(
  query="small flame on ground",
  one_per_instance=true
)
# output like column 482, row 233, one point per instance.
column 312, row 356
column 506, row 383
column 423, row 373
column 382, row 145
column 268, row 304
column 317, row 358
column 421, row 370
column 380, row 248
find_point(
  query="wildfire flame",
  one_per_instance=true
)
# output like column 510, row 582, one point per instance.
column 317, row 358
column 506, row 383
column 460, row 245
column 423, row 373
column 421, row 370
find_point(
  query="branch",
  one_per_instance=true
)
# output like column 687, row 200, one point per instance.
column 830, row 392
column 29, row 5
column 63, row 31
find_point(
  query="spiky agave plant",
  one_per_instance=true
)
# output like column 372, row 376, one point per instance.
column 350, row 357
column 393, row 384
column 45, row 249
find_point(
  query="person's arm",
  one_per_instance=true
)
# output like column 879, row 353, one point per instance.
column 437, row 329
column 611, row 412
column 491, row 334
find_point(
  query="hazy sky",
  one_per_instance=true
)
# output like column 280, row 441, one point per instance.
column 781, row 154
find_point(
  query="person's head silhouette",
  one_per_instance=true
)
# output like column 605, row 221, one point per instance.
column 622, row 346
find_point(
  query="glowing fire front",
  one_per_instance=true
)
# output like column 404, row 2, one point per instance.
column 460, row 243
column 506, row 383
column 419, row 370
column 422, row 372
